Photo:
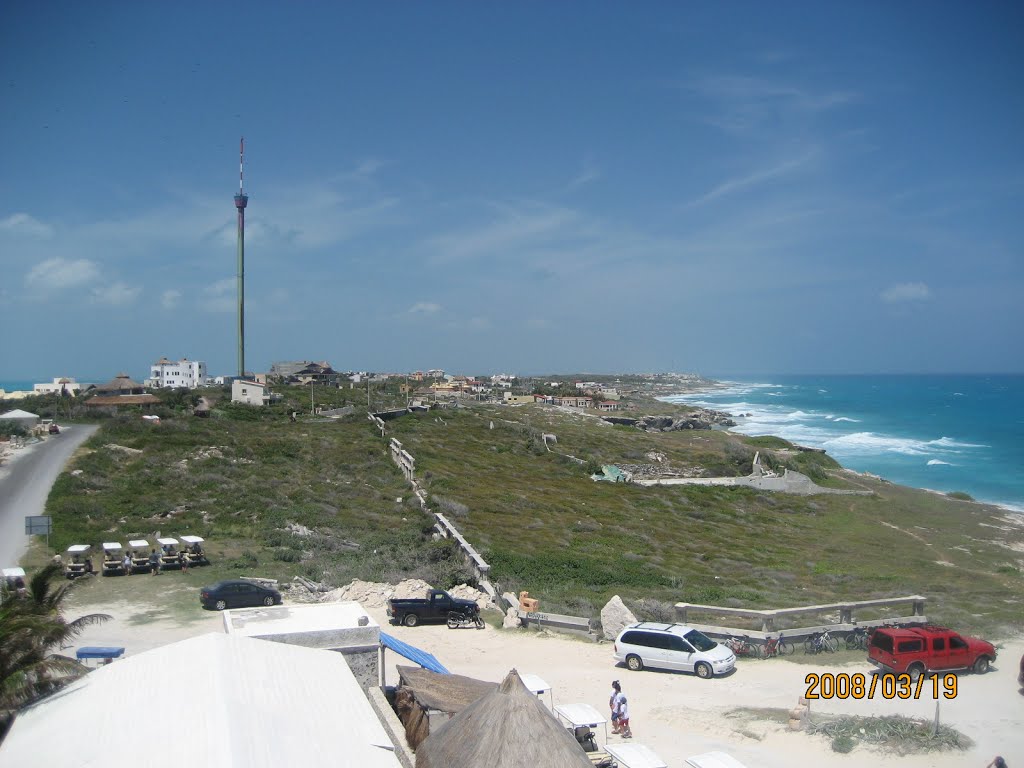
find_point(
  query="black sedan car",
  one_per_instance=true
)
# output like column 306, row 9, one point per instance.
column 237, row 593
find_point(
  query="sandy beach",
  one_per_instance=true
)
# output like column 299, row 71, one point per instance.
column 675, row 714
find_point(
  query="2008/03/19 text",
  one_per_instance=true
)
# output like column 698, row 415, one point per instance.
column 857, row 686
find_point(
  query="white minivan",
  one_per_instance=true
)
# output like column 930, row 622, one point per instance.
column 672, row 646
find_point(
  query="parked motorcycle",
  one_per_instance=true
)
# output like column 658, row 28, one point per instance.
column 458, row 619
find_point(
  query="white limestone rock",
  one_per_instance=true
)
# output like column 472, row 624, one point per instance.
column 614, row 616
column 511, row 620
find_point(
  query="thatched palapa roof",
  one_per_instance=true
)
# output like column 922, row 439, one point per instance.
column 121, row 384
column 507, row 728
column 446, row 693
column 421, row 690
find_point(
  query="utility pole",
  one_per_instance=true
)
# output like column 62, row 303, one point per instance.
column 312, row 408
column 368, row 392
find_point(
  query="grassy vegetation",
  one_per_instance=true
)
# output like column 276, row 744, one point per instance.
column 241, row 477
column 546, row 527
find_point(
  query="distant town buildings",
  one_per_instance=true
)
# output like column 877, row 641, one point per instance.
column 60, row 385
column 184, row 373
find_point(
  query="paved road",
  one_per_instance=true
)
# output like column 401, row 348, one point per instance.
column 25, row 482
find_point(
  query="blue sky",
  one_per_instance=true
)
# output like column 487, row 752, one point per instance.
column 528, row 187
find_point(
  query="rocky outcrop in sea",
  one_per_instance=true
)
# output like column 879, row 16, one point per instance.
column 698, row 419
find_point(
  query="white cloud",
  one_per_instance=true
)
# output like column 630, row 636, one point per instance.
column 24, row 224
column 514, row 228
column 56, row 274
column 117, row 294
column 424, row 308
column 170, row 298
column 754, row 179
column 220, row 296
column 900, row 292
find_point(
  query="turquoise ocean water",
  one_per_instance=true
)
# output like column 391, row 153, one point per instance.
column 947, row 433
column 16, row 386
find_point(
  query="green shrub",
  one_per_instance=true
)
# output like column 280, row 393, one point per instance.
column 843, row 744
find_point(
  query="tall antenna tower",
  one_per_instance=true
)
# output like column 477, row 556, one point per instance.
column 241, row 200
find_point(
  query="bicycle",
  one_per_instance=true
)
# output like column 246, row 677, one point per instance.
column 777, row 646
column 820, row 641
column 857, row 639
column 742, row 647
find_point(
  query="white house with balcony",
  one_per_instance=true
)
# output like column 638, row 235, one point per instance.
column 184, row 373
column 250, row 392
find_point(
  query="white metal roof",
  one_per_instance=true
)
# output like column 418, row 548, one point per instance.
column 77, row 549
column 534, row 683
column 296, row 618
column 138, row 543
column 192, row 539
column 634, row 756
column 17, row 413
column 167, row 540
column 235, row 702
column 581, row 714
column 714, row 760
column 113, row 545
column 12, row 573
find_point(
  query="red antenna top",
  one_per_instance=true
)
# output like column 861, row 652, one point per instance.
column 241, row 163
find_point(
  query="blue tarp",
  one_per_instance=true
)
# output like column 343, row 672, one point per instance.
column 424, row 659
column 98, row 652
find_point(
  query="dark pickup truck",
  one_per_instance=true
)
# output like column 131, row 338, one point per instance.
column 438, row 606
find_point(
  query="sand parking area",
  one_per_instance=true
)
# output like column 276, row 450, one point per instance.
column 676, row 714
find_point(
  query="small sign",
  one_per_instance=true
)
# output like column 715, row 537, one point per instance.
column 38, row 525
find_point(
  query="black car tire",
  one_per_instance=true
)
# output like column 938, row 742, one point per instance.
column 634, row 662
column 981, row 665
column 915, row 671
column 268, row 601
column 411, row 620
column 703, row 670
column 220, row 605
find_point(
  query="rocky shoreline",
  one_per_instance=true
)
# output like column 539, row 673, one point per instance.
column 699, row 418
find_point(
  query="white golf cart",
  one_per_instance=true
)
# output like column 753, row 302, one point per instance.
column 168, row 552
column 113, row 558
column 139, row 553
column 193, row 547
column 581, row 720
column 78, row 562
column 11, row 578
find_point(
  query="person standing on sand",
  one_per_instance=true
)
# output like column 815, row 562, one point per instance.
column 127, row 564
column 154, row 562
column 613, row 705
column 624, row 728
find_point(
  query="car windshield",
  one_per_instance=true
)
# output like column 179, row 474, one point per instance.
column 699, row 641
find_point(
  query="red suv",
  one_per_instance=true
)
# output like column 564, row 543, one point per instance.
column 918, row 650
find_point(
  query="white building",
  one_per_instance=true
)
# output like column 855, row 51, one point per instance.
column 342, row 626
column 213, row 701
column 60, row 384
column 184, row 373
column 249, row 392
